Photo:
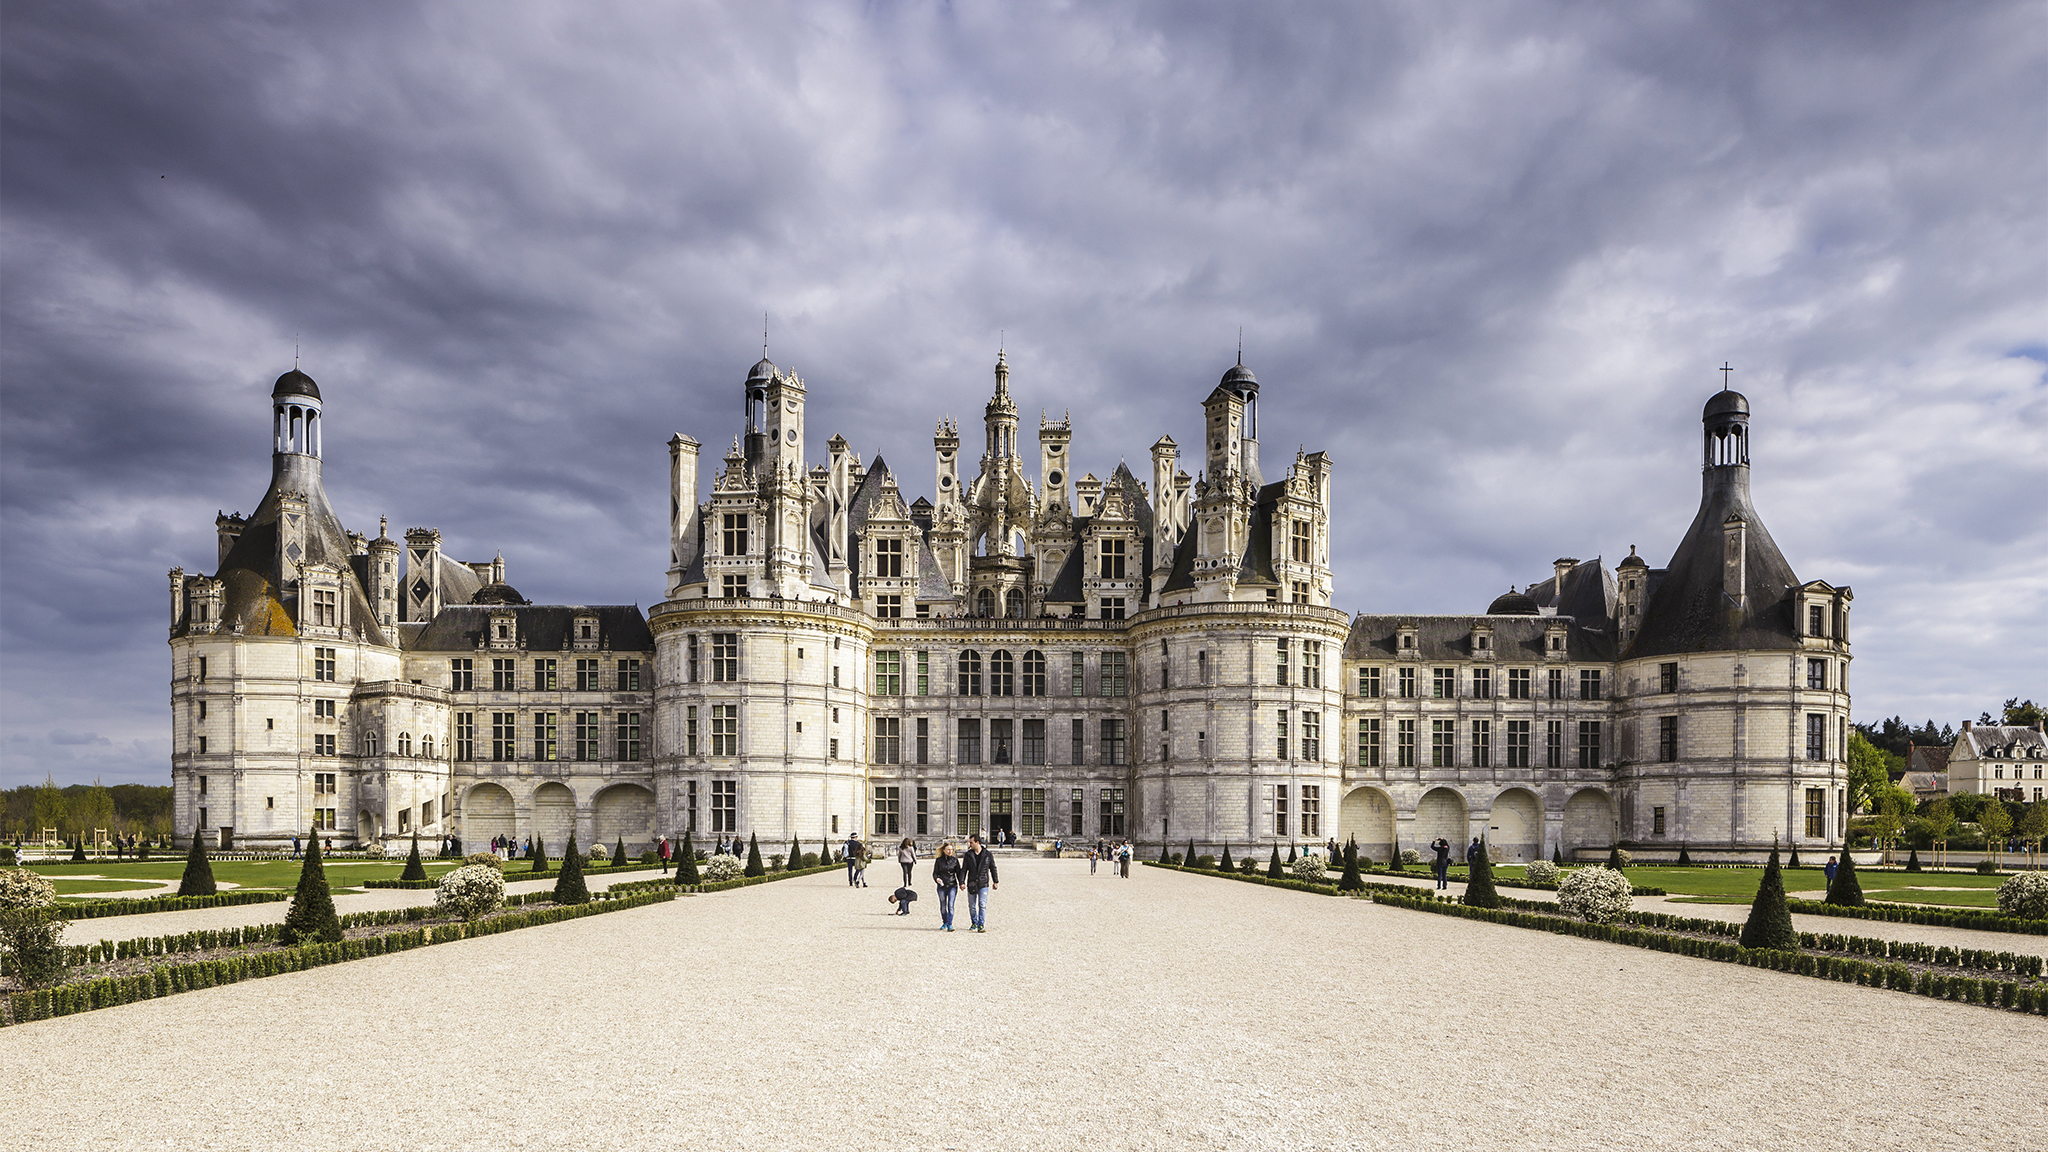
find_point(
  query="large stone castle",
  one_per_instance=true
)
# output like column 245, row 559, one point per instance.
column 1040, row 655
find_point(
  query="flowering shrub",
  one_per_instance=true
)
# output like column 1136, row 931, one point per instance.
column 599, row 852
column 1410, row 856
column 1540, row 872
column 21, row 888
column 29, row 927
column 470, row 891
column 2025, row 896
column 487, row 859
column 1309, row 869
column 720, row 868
column 1597, row 895
column 373, row 848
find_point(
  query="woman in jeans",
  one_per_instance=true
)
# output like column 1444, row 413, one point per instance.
column 906, row 855
column 946, row 873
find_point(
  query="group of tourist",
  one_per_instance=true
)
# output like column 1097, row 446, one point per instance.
column 973, row 871
column 1441, row 862
column 1118, row 854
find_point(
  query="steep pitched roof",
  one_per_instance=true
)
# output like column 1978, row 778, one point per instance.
column 1689, row 612
column 251, row 598
column 542, row 627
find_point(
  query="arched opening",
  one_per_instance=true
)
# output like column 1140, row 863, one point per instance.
column 1588, row 822
column 554, row 817
column 1440, row 814
column 1367, row 816
column 985, row 602
column 1013, row 603
column 368, row 827
column 486, row 813
column 625, row 812
column 1514, row 829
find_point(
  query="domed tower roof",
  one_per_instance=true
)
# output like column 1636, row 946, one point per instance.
column 761, row 372
column 1723, row 404
column 1512, row 603
column 1633, row 560
column 295, row 383
column 1239, row 378
column 498, row 593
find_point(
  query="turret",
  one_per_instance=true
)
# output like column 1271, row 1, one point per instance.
column 682, row 508
column 946, row 454
column 421, row 599
column 1000, row 417
column 384, row 575
column 227, row 529
column 1054, row 438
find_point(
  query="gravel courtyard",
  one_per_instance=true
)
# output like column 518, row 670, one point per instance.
column 1167, row 1011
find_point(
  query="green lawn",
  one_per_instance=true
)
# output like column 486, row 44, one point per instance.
column 342, row 875
column 1738, row 885
column 72, row 887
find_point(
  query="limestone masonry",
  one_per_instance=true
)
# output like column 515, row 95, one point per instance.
column 1038, row 654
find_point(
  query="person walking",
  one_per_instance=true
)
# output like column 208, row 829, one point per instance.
column 1442, row 848
column 979, row 868
column 861, row 862
column 1831, row 870
column 852, row 854
column 946, row 874
column 663, row 852
column 906, row 855
column 1123, row 857
column 1472, row 853
column 1091, row 861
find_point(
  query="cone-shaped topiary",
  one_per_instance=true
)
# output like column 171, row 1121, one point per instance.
column 414, row 870
column 1913, row 861
column 1479, row 891
column 1226, row 864
column 1557, row 856
column 686, row 864
column 1188, row 860
column 1845, row 888
column 1273, row 868
column 198, row 879
column 1165, row 857
column 1351, row 852
column 1614, row 860
column 1770, row 922
column 796, row 856
column 78, row 850
column 1350, row 881
column 754, row 867
column 619, row 851
column 1684, row 857
column 569, row 886
column 312, row 919
column 539, row 852
column 1394, row 857
column 1794, row 861
column 1290, row 855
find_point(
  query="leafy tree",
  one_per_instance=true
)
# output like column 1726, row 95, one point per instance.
column 569, row 886
column 1770, row 920
column 796, row 856
column 1869, row 777
column 2034, row 825
column 686, row 864
column 198, row 878
column 1479, row 891
column 1996, row 822
column 1273, row 868
column 1941, row 820
column 1845, row 889
column 312, row 919
column 754, row 865
column 414, row 870
column 51, row 809
column 1225, row 864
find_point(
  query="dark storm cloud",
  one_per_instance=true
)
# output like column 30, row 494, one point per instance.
column 1487, row 256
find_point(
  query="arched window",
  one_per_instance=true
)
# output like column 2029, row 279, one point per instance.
column 1013, row 603
column 405, row 743
column 1034, row 673
column 369, row 743
column 1002, row 674
column 970, row 673
column 427, row 746
column 985, row 602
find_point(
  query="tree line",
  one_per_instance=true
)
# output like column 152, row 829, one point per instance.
column 76, row 810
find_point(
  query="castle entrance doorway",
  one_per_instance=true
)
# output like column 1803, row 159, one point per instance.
column 1001, row 815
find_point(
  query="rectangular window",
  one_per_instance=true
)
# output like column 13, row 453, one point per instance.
column 1112, row 608
column 629, row 736
column 1202, row 666
column 1280, row 824
column 543, row 675
column 690, row 731
column 1282, row 672
column 1311, row 810
column 1368, row 743
column 725, row 805
column 1080, row 743
column 691, row 801
column 1589, row 743
column 1555, row 683
column 1031, row 812
column 725, row 657
column 588, row 679
column 1033, row 679
column 1816, row 620
column 323, row 743
column 1589, row 683
column 1111, row 566
column 1369, row 682
column 1443, row 684
column 888, row 673
column 1553, row 744
column 502, row 676
column 725, row 729
column 1002, row 673
column 1815, row 810
column 733, row 536
column 1112, row 812
column 1408, row 679
column 1518, row 743
column 1482, row 743
column 1114, row 751
column 1001, row 808
column 323, row 783
column 461, row 675
column 1001, row 735
column 588, row 737
column 690, row 673
column 629, row 676
column 1817, row 674
column 832, row 749
column 544, row 735
column 1443, row 743
column 1079, row 681
column 1116, row 680
column 968, row 669
column 1816, row 736
column 1312, row 736
column 1667, row 739
column 202, row 668
column 1667, row 678
column 924, row 740
column 924, row 811
column 967, row 742
column 323, row 663
column 323, row 608
column 735, row 587
column 324, row 817
column 889, row 562
column 1657, row 820
column 1482, row 683
column 888, row 607
column 966, row 811
column 1033, row 742
column 1311, row 664
column 1297, row 541
column 465, row 735
column 502, row 749
column 1404, row 748
column 924, row 674
column 1280, row 733
column 888, row 810
column 1076, row 807
column 1518, row 683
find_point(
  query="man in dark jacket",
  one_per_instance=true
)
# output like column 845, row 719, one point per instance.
column 1442, row 848
column 979, row 865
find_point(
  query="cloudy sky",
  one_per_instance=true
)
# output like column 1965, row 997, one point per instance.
column 1489, row 256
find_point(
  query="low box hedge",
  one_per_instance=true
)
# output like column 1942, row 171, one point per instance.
column 94, row 909
column 1980, row 920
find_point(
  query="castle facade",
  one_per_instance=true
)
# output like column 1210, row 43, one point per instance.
column 1023, row 652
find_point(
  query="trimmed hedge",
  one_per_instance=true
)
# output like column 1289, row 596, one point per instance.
column 514, row 877
column 93, row 910
column 742, row 882
column 1983, row 921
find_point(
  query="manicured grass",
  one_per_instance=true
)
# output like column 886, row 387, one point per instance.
column 342, row 875
column 73, row 887
column 1738, row 885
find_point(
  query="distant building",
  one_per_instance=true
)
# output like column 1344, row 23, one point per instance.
column 2002, row 760
column 1926, row 773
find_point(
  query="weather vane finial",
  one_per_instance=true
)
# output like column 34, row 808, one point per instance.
column 1240, row 345
column 764, row 335
column 1725, row 370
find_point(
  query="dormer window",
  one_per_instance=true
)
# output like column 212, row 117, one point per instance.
column 1816, row 620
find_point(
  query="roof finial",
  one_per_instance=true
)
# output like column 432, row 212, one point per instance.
column 764, row 335
column 295, row 351
column 1725, row 370
column 1240, row 345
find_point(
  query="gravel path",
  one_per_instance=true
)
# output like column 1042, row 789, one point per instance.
column 1167, row 1011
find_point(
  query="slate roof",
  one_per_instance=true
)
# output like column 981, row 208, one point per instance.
column 542, row 627
column 2004, row 742
column 250, row 595
column 1450, row 638
column 1920, row 759
column 1687, row 611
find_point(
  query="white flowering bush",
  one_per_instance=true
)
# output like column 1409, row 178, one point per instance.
column 2025, row 896
column 1309, row 869
column 470, row 891
column 723, row 868
column 1540, row 872
column 21, row 888
column 599, row 852
column 1598, row 895
column 487, row 859
column 373, row 848
column 1410, row 856
column 30, row 929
